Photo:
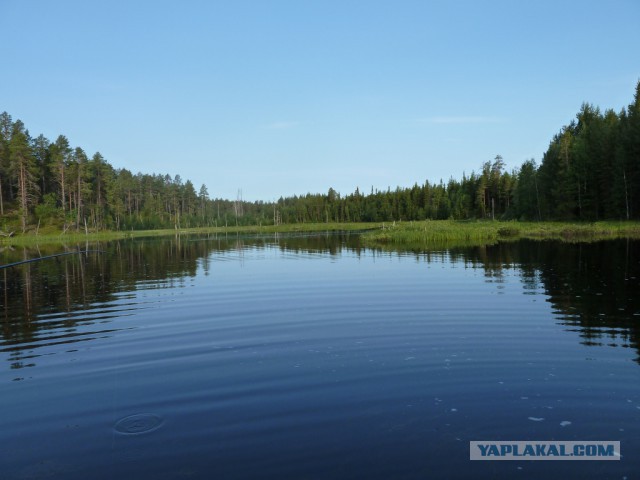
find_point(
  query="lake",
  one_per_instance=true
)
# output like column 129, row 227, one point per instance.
column 312, row 357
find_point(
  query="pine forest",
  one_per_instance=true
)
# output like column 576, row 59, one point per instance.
column 590, row 172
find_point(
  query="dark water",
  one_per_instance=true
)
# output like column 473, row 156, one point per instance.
column 311, row 357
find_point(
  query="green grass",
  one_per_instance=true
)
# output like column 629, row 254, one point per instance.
column 429, row 233
column 54, row 236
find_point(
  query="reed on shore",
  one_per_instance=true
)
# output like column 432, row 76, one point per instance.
column 425, row 233
column 431, row 232
column 50, row 236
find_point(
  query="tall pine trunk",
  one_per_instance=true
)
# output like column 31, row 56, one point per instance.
column 63, row 197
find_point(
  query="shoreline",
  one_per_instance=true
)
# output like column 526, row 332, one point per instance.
column 414, row 233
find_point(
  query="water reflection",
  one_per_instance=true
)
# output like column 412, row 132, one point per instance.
column 593, row 288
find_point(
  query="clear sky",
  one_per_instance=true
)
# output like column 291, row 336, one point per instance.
column 289, row 97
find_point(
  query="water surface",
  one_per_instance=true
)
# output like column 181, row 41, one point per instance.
column 312, row 357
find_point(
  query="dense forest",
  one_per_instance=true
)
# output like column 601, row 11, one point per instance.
column 591, row 171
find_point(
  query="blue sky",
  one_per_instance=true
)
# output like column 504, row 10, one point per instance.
column 289, row 97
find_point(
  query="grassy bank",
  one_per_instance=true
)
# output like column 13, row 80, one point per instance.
column 430, row 233
column 426, row 233
column 48, row 237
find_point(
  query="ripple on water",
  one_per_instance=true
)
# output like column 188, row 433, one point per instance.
column 138, row 423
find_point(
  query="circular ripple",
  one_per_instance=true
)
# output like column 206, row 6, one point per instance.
column 138, row 423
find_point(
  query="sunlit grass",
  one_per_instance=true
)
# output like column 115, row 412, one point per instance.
column 429, row 233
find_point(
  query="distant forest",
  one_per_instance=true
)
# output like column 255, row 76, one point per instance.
column 591, row 171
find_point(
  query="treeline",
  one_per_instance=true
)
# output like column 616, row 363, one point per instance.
column 51, row 183
column 590, row 171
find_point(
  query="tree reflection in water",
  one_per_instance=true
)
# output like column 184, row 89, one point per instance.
column 593, row 287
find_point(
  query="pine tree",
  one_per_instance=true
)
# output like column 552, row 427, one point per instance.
column 59, row 157
column 24, row 168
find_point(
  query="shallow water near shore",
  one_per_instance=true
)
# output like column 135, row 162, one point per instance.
column 313, row 357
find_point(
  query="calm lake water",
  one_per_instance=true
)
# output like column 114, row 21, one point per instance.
column 313, row 358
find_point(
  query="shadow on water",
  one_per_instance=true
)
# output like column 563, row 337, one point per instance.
column 593, row 287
